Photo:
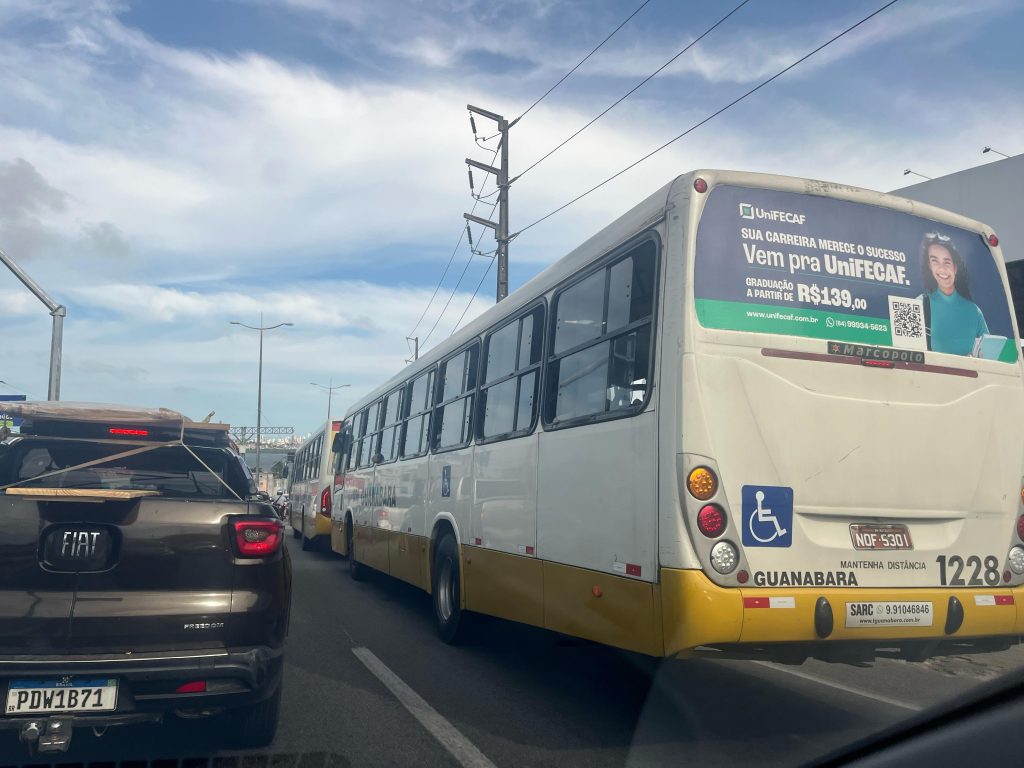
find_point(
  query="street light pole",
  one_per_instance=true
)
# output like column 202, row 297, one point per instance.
column 57, row 311
column 330, row 391
column 989, row 149
column 909, row 171
column 259, row 385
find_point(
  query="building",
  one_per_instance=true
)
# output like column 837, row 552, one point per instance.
column 992, row 193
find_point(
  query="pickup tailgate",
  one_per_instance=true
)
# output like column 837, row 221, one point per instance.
column 35, row 604
column 170, row 580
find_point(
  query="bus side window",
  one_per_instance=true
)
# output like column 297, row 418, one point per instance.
column 369, row 449
column 508, row 395
column 592, row 375
column 391, row 415
column 454, row 419
column 419, row 402
column 360, row 432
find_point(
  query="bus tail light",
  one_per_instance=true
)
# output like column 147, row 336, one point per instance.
column 725, row 558
column 1016, row 559
column 711, row 520
column 325, row 502
column 700, row 185
column 702, row 483
column 1020, row 527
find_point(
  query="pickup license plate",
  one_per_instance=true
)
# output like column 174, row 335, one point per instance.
column 880, row 537
column 894, row 613
column 64, row 695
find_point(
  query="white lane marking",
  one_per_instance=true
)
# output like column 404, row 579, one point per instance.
column 841, row 687
column 461, row 748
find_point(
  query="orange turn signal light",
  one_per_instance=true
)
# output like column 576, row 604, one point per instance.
column 702, row 483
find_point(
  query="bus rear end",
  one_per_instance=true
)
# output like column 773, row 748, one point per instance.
column 852, row 428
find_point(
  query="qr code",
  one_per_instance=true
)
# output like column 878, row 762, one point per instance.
column 906, row 318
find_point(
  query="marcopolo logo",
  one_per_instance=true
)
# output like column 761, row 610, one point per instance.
column 748, row 211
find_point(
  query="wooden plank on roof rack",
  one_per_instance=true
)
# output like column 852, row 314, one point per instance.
column 84, row 494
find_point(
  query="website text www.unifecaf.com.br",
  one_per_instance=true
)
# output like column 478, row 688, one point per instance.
column 791, row 316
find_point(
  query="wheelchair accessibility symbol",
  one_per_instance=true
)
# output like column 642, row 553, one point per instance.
column 767, row 516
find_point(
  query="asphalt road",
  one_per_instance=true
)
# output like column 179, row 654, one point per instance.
column 368, row 683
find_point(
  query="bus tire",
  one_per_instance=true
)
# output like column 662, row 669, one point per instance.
column 296, row 533
column 356, row 570
column 446, row 590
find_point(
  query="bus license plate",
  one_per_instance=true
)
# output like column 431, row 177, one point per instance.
column 880, row 537
column 895, row 613
column 64, row 695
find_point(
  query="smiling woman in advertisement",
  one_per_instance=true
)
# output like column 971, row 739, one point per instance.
column 953, row 321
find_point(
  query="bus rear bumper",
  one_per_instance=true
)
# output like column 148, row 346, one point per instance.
column 759, row 622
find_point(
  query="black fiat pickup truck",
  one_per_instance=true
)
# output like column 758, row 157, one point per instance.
column 141, row 577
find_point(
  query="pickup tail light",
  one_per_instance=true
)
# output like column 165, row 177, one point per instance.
column 257, row 538
column 325, row 502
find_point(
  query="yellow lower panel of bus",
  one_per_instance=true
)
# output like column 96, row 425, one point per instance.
column 339, row 543
column 504, row 585
column 407, row 556
column 371, row 546
column 698, row 612
column 614, row 610
column 322, row 527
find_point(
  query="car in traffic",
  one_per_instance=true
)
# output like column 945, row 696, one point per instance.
column 141, row 577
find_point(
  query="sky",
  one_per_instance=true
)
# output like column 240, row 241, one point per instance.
column 167, row 168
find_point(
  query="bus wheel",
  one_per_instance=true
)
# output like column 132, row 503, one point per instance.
column 447, row 590
column 296, row 533
column 355, row 569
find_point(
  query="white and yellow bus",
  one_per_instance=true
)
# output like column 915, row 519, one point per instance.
column 311, row 491
column 763, row 416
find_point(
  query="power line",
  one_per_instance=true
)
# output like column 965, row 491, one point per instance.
column 708, row 118
column 454, row 290
column 473, row 297
column 632, row 90
column 451, row 258
column 581, row 61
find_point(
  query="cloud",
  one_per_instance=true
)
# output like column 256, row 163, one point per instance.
column 26, row 198
column 106, row 240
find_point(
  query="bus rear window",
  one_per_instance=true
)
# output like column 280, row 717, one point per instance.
column 170, row 472
column 778, row 262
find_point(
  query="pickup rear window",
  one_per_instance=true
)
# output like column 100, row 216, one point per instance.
column 171, row 471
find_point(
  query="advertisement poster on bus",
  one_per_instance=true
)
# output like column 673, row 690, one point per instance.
column 805, row 265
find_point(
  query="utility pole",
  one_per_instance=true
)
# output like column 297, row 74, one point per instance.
column 501, row 176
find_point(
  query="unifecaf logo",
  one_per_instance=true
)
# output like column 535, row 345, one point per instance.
column 746, row 211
